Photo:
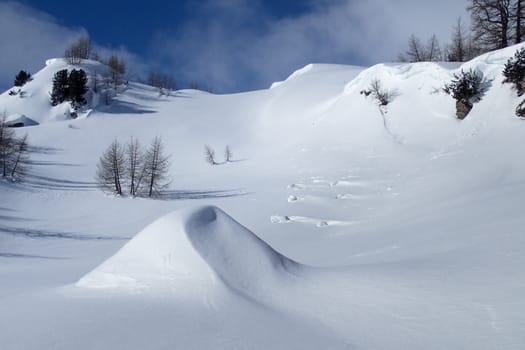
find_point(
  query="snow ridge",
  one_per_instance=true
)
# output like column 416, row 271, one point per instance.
column 202, row 245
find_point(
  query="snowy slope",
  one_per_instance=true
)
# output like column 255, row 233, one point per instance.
column 339, row 227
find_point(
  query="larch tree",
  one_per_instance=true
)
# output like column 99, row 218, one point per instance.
column 111, row 168
column 78, row 51
column 134, row 166
column 20, row 158
column 7, row 141
column 156, row 167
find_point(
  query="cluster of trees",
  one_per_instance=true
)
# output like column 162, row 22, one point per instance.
column 106, row 82
column 495, row 24
column 14, row 152
column 131, row 169
column 163, row 82
column 82, row 49
column 69, row 87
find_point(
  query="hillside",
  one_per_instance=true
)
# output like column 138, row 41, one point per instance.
column 340, row 226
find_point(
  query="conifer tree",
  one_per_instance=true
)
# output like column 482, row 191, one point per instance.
column 21, row 78
column 514, row 71
column 60, row 90
column 77, row 87
column 156, row 166
column 111, row 168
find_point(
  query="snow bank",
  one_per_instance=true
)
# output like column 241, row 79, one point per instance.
column 18, row 120
column 202, row 245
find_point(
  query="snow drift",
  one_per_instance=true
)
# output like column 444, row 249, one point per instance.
column 202, row 245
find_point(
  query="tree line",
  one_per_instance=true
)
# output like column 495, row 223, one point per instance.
column 495, row 24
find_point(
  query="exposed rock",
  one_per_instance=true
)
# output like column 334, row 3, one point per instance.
column 462, row 109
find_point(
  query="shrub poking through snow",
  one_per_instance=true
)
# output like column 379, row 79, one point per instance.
column 466, row 88
column 514, row 71
column 520, row 110
column 382, row 96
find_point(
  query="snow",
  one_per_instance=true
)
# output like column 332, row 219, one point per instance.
column 340, row 226
column 19, row 120
column 200, row 245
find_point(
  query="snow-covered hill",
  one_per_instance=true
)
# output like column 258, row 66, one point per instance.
column 340, row 226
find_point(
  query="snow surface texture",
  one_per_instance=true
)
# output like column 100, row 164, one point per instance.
column 399, row 228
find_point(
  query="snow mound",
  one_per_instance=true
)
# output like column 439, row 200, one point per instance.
column 202, row 245
column 19, row 120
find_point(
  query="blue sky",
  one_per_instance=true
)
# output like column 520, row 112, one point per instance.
column 227, row 45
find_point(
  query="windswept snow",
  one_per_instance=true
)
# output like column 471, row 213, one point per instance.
column 342, row 226
column 202, row 245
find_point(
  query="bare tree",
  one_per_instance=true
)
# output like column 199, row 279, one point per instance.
column 111, row 168
column 156, row 167
column 117, row 68
column 457, row 50
column 518, row 17
column 433, row 50
column 7, row 140
column 163, row 82
column 134, row 166
column 491, row 22
column 209, row 155
column 14, row 152
column 20, row 158
column 415, row 52
column 78, row 51
column 228, row 153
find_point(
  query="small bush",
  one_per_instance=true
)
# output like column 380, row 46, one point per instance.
column 466, row 88
column 382, row 96
column 514, row 71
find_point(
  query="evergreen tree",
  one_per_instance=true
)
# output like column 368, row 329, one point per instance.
column 21, row 78
column 514, row 71
column 60, row 91
column 77, row 87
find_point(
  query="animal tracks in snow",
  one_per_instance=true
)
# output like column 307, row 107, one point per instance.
column 319, row 193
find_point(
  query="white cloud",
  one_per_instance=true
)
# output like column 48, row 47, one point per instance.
column 29, row 37
column 240, row 46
